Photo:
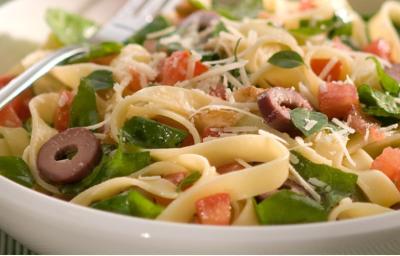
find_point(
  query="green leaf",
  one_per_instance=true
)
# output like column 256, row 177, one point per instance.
column 130, row 203
column 188, row 181
column 220, row 27
column 331, row 183
column 147, row 133
column 301, row 117
column 287, row 207
column 69, row 28
column 15, row 169
column 100, row 80
column 83, row 109
column 377, row 103
column 397, row 27
column 237, row 10
column 96, row 51
column 159, row 23
column 388, row 83
column 286, row 59
column 199, row 4
column 115, row 165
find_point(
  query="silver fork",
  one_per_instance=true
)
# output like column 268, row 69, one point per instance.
column 131, row 17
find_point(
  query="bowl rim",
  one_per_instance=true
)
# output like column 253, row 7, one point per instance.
column 331, row 229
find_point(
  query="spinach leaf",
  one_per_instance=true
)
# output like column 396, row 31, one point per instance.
column 147, row 133
column 301, row 118
column 220, row 27
column 96, row 51
column 100, row 80
column 130, row 203
column 83, row 109
column 115, row 165
column 188, row 181
column 377, row 103
column 15, row 169
column 331, row 183
column 70, row 28
column 286, row 59
column 159, row 23
column 388, row 83
column 199, row 4
column 287, row 207
column 237, row 10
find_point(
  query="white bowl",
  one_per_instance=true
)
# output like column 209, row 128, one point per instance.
column 48, row 225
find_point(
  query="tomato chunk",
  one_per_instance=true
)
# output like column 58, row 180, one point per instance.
column 135, row 83
column 231, row 167
column 337, row 99
column 380, row 48
column 219, row 91
column 389, row 163
column 305, row 5
column 9, row 118
column 211, row 132
column 318, row 66
column 214, row 209
column 363, row 124
column 175, row 68
column 176, row 177
column 62, row 115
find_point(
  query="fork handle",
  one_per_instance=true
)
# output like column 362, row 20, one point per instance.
column 33, row 73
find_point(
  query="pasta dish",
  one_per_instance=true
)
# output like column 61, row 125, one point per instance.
column 222, row 113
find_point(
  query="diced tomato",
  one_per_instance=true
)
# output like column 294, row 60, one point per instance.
column 337, row 99
column 231, row 167
column 211, row 132
column 219, row 91
column 380, row 48
column 214, row 209
column 305, row 5
column 135, row 84
column 9, row 118
column 19, row 106
column 176, row 177
column 188, row 141
column 389, row 163
column 363, row 124
column 175, row 68
column 318, row 65
column 62, row 115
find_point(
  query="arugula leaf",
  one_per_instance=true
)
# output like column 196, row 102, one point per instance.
column 130, row 203
column 301, row 116
column 286, row 59
column 147, row 133
column 100, row 80
column 377, row 103
column 96, row 51
column 70, row 28
column 287, row 207
column 159, row 23
column 15, row 169
column 388, row 83
column 115, row 165
column 331, row 183
column 188, row 181
column 237, row 10
column 83, row 109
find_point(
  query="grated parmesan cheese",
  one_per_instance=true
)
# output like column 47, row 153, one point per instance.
column 309, row 124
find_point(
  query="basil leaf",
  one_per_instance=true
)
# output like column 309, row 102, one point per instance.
column 147, row 133
column 96, row 51
column 100, row 80
column 159, row 23
column 15, row 169
column 83, row 109
column 130, row 203
column 388, row 83
column 301, row 118
column 377, row 103
column 188, row 181
column 237, row 10
column 115, row 165
column 70, row 28
column 286, row 59
column 331, row 183
column 287, row 207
